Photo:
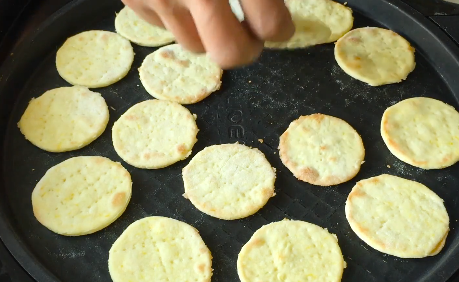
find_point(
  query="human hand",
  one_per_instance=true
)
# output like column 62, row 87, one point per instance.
column 210, row 26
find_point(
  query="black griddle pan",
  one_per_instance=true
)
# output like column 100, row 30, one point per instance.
column 255, row 102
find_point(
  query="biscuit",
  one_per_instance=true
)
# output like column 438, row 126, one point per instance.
column 81, row 195
column 375, row 55
column 229, row 181
column 291, row 251
column 321, row 150
column 154, row 134
column 94, row 58
column 64, row 119
column 135, row 29
column 175, row 74
column 316, row 22
column 422, row 132
column 160, row 249
column 397, row 216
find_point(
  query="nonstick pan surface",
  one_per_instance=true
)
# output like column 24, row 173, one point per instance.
column 255, row 102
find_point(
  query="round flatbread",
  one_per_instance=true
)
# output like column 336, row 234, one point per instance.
column 64, row 119
column 375, row 55
column 398, row 217
column 155, row 134
column 81, row 195
column 229, row 181
column 160, row 249
column 129, row 25
column 321, row 150
column 291, row 251
column 422, row 132
column 174, row 74
column 316, row 22
column 94, row 58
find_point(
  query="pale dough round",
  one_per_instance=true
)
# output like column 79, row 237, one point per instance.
column 160, row 249
column 397, row 216
column 129, row 25
column 316, row 22
column 422, row 132
column 94, row 58
column 291, row 251
column 174, row 74
column 321, row 150
column 81, row 195
column 229, row 181
column 375, row 55
column 154, row 134
column 64, row 119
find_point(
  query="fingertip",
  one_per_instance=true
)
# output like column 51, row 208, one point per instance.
column 128, row 3
column 269, row 20
column 234, row 57
column 289, row 28
column 227, row 41
column 280, row 30
column 144, row 13
column 193, row 47
column 182, row 25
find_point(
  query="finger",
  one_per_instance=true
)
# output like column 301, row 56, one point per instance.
column 180, row 22
column 225, row 39
column 268, row 19
column 144, row 12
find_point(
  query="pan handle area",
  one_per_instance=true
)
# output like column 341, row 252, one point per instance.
column 435, row 7
column 449, row 24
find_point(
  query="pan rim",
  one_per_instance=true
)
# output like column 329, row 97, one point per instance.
column 19, row 249
column 12, row 241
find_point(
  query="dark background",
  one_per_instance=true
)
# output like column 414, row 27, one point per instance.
column 19, row 17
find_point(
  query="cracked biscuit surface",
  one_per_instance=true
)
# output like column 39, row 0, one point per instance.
column 160, row 249
column 291, row 251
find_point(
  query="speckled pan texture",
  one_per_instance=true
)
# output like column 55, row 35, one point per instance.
column 254, row 102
